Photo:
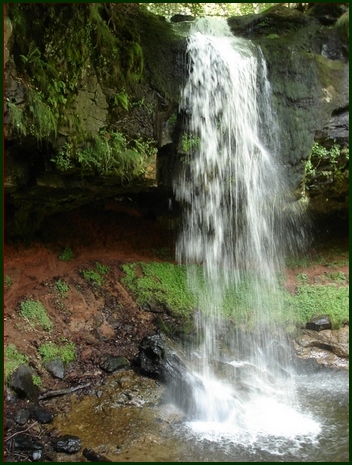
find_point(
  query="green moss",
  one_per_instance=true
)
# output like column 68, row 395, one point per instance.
column 62, row 288
column 313, row 300
column 8, row 281
column 34, row 312
column 343, row 26
column 55, row 45
column 167, row 285
column 13, row 359
column 109, row 153
column 66, row 255
column 96, row 276
column 163, row 283
column 51, row 351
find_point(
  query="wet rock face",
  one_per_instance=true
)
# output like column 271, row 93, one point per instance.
column 307, row 61
column 328, row 347
column 308, row 70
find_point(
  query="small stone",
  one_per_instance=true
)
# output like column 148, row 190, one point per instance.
column 319, row 323
column 36, row 455
column 56, row 368
column 67, row 443
column 26, row 442
column 22, row 416
column 112, row 363
column 42, row 415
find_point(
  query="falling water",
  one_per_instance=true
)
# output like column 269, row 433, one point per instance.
column 239, row 219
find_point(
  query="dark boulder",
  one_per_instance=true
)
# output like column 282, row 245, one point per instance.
column 22, row 383
column 319, row 323
column 158, row 359
column 113, row 363
column 42, row 415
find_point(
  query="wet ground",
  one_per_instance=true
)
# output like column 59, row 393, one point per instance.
column 102, row 321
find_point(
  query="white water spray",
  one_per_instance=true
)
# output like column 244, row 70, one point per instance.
column 238, row 214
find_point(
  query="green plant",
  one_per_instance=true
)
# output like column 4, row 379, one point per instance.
column 62, row 288
column 302, row 277
column 8, row 281
column 163, row 283
column 111, row 153
column 325, row 161
column 13, row 359
column 66, row 254
column 51, row 351
column 34, row 312
column 43, row 122
column 93, row 276
column 190, row 143
column 273, row 36
column 313, row 300
column 96, row 276
column 64, row 158
column 16, row 118
column 102, row 269
column 338, row 276
column 122, row 99
column 37, row 381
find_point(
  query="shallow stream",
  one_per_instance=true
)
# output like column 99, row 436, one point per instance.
column 130, row 420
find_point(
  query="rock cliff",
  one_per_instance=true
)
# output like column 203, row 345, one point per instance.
column 91, row 104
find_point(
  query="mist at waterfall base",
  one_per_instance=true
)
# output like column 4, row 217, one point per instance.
column 240, row 220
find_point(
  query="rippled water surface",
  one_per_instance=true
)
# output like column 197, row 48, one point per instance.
column 155, row 431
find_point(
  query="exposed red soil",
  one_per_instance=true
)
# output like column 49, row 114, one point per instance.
column 99, row 320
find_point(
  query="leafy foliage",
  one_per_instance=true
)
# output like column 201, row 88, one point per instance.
column 13, row 359
column 327, row 163
column 96, row 276
column 166, row 284
column 34, row 312
column 207, row 9
column 50, row 351
column 55, row 44
column 314, row 300
column 66, row 254
column 109, row 153
column 62, row 287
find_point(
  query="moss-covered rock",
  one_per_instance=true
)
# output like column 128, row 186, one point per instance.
column 307, row 61
column 92, row 92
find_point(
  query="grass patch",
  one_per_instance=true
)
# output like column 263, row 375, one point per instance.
column 338, row 276
column 37, row 381
column 66, row 255
column 51, row 351
column 163, row 283
column 13, row 359
column 96, row 276
column 245, row 305
column 314, row 300
column 8, row 281
column 334, row 257
column 62, row 288
column 34, row 312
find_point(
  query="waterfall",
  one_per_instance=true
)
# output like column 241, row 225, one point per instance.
column 239, row 219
